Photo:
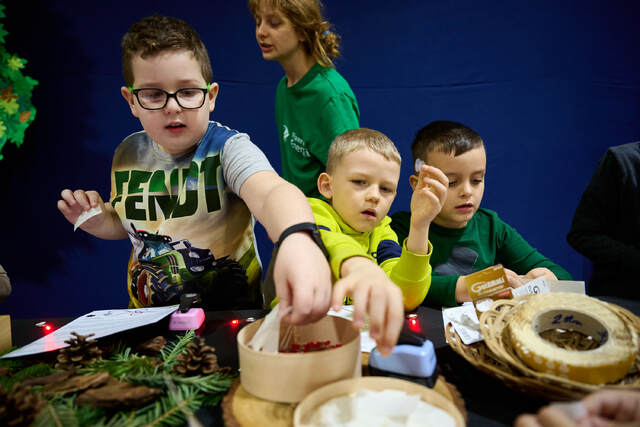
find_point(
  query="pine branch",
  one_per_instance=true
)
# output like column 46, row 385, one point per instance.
column 122, row 365
column 167, row 410
column 60, row 415
column 218, row 382
column 173, row 349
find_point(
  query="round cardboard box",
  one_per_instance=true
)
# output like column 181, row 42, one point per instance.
column 289, row 377
column 306, row 408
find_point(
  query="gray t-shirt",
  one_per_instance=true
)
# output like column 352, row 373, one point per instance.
column 185, row 219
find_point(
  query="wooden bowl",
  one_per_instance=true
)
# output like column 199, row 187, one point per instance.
column 289, row 377
column 306, row 408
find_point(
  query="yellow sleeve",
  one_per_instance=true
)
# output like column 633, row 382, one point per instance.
column 339, row 245
column 412, row 273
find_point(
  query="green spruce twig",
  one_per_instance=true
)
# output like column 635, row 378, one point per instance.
column 172, row 350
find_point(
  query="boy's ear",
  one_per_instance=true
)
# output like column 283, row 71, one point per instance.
column 128, row 96
column 324, row 185
column 413, row 180
column 212, row 95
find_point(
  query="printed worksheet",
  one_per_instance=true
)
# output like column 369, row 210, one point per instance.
column 101, row 323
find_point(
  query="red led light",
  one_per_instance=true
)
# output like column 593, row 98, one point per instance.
column 235, row 322
column 47, row 327
column 414, row 325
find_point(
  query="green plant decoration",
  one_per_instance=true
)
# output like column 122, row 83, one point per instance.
column 180, row 395
column 16, row 110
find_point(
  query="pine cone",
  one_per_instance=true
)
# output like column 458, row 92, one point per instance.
column 199, row 359
column 19, row 407
column 81, row 351
column 152, row 347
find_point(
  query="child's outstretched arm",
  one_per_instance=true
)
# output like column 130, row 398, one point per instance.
column 301, row 273
column 106, row 225
column 372, row 292
column 428, row 198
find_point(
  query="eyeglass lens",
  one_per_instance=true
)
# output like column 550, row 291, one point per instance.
column 158, row 98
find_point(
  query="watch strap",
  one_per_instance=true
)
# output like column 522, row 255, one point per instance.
column 309, row 227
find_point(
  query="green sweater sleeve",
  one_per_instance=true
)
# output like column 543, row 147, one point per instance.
column 442, row 291
column 518, row 255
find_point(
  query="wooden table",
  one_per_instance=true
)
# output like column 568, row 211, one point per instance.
column 488, row 402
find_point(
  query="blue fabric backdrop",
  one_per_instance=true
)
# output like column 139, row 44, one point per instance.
column 549, row 85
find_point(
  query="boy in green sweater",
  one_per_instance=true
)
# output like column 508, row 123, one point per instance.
column 360, row 184
column 465, row 237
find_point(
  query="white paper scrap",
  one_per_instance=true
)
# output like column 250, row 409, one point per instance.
column 267, row 337
column 366, row 342
column 390, row 403
column 346, row 312
column 84, row 216
column 465, row 322
column 535, row 286
column 101, row 323
column 389, row 408
column 575, row 286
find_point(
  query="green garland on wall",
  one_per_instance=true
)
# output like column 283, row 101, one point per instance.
column 16, row 110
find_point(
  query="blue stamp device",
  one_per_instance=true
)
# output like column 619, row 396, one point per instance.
column 413, row 358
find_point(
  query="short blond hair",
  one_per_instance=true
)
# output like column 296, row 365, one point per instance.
column 356, row 139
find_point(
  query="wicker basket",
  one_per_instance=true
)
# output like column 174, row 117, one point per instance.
column 496, row 356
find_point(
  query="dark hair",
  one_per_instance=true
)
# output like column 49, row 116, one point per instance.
column 154, row 34
column 306, row 18
column 447, row 137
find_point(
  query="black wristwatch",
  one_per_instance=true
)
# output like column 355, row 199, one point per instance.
column 309, row 227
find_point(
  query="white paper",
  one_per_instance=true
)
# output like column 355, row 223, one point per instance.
column 575, row 286
column 346, row 312
column 388, row 408
column 267, row 337
column 84, row 216
column 535, row 286
column 465, row 322
column 101, row 323
column 366, row 342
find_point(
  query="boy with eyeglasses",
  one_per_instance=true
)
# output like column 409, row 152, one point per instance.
column 184, row 190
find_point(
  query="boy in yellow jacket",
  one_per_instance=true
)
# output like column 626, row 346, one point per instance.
column 360, row 184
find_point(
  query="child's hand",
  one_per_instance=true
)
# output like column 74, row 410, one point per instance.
column 374, row 293
column 513, row 279
column 429, row 195
column 75, row 203
column 541, row 272
column 462, row 293
column 302, row 279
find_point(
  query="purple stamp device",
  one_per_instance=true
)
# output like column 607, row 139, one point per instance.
column 186, row 318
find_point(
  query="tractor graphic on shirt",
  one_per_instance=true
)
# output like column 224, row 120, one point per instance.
column 165, row 269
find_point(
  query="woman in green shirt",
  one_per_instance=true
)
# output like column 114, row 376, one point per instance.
column 314, row 103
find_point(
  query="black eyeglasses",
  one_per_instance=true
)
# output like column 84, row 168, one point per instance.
column 189, row 98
